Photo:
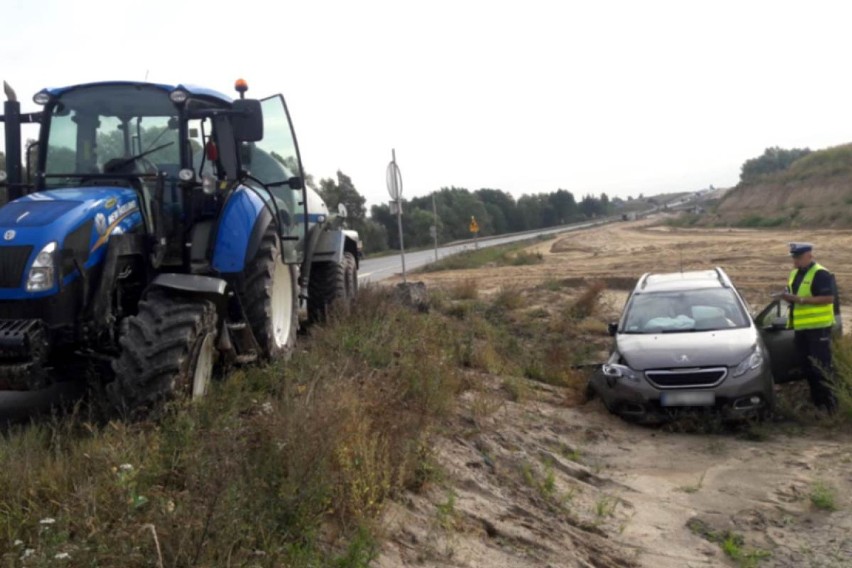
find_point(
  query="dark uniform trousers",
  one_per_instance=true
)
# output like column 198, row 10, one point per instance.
column 814, row 347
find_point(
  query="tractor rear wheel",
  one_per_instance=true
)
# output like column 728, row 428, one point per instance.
column 332, row 283
column 168, row 350
column 270, row 297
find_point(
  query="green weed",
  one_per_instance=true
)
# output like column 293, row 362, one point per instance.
column 823, row 496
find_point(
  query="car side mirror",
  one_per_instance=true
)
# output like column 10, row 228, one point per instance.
column 612, row 329
column 778, row 324
column 247, row 120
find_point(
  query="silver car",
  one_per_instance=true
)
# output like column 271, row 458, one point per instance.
column 687, row 340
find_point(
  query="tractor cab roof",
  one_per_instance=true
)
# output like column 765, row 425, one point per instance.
column 193, row 90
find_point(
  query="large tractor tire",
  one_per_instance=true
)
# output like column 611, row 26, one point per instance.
column 168, row 351
column 331, row 284
column 270, row 297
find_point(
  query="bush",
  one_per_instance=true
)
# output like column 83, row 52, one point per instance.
column 257, row 470
column 757, row 221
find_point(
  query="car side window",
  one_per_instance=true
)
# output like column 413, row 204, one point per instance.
column 776, row 313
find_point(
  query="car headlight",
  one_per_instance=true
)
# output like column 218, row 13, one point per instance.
column 617, row 371
column 752, row 361
column 42, row 274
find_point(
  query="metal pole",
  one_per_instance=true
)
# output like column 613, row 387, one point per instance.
column 435, row 224
column 401, row 245
column 12, row 111
column 399, row 224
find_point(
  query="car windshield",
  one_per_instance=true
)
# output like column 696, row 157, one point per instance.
column 707, row 309
column 96, row 130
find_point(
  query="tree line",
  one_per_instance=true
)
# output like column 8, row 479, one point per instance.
column 496, row 212
column 772, row 160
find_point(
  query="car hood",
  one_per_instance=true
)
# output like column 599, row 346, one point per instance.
column 691, row 349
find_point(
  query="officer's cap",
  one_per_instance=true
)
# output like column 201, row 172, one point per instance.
column 800, row 248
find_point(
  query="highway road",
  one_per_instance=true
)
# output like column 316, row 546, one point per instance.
column 376, row 269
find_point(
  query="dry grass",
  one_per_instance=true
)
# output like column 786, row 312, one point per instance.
column 281, row 465
column 467, row 289
column 285, row 465
column 589, row 301
column 509, row 297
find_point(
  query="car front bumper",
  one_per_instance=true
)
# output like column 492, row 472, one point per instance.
column 735, row 398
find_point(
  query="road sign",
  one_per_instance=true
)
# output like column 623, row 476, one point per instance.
column 394, row 180
column 393, row 177
column 474, row 226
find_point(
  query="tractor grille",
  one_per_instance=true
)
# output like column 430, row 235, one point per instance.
column 682, row 378
column 13, row 261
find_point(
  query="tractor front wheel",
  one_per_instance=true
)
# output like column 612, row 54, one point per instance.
column 271, row 299
column 332, row 283
column 168, row 351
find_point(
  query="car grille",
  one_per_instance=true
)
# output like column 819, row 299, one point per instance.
column 13, row 261
column 682, row 378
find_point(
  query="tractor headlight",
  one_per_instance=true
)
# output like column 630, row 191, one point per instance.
column 753, row 361
column 42, row 274
column 42, row 98
column 178, row 96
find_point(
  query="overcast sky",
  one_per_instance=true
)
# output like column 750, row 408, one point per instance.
column 527, row 96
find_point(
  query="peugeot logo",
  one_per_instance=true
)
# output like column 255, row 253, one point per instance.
column 683, row 359
column 9, row 235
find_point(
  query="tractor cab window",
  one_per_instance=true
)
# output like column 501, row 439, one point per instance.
column 4, row 190
column 210, row 141
column 114, row 129
column 275, row 162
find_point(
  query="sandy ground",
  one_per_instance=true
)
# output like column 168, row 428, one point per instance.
column 543, row 481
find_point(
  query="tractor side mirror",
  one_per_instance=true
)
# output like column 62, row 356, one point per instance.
column 341, row 211
column 295, row 182
column 247, row 120
column 612, row 328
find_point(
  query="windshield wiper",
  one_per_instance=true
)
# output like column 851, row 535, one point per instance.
column 132, row 159
column 683, row 330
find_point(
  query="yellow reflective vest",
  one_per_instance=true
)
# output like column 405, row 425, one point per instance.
column 809, row 316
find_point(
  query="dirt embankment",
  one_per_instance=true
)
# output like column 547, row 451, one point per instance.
column 810, row 203
column 543, row 480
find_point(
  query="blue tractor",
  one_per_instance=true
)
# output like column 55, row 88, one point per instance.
column 158, row 233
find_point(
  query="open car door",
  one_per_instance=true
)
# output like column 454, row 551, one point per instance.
column 783, row 358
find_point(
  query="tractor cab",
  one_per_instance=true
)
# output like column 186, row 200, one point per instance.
column 183, row 150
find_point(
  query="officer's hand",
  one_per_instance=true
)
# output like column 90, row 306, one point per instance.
column 788, row 297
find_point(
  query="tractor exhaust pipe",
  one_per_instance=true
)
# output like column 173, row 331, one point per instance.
column 12, row 118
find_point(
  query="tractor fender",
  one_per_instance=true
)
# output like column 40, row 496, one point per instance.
column 330, row 246
column 242, row 223
column 332, row 243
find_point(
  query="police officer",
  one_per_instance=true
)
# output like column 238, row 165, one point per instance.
column 810, row 291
